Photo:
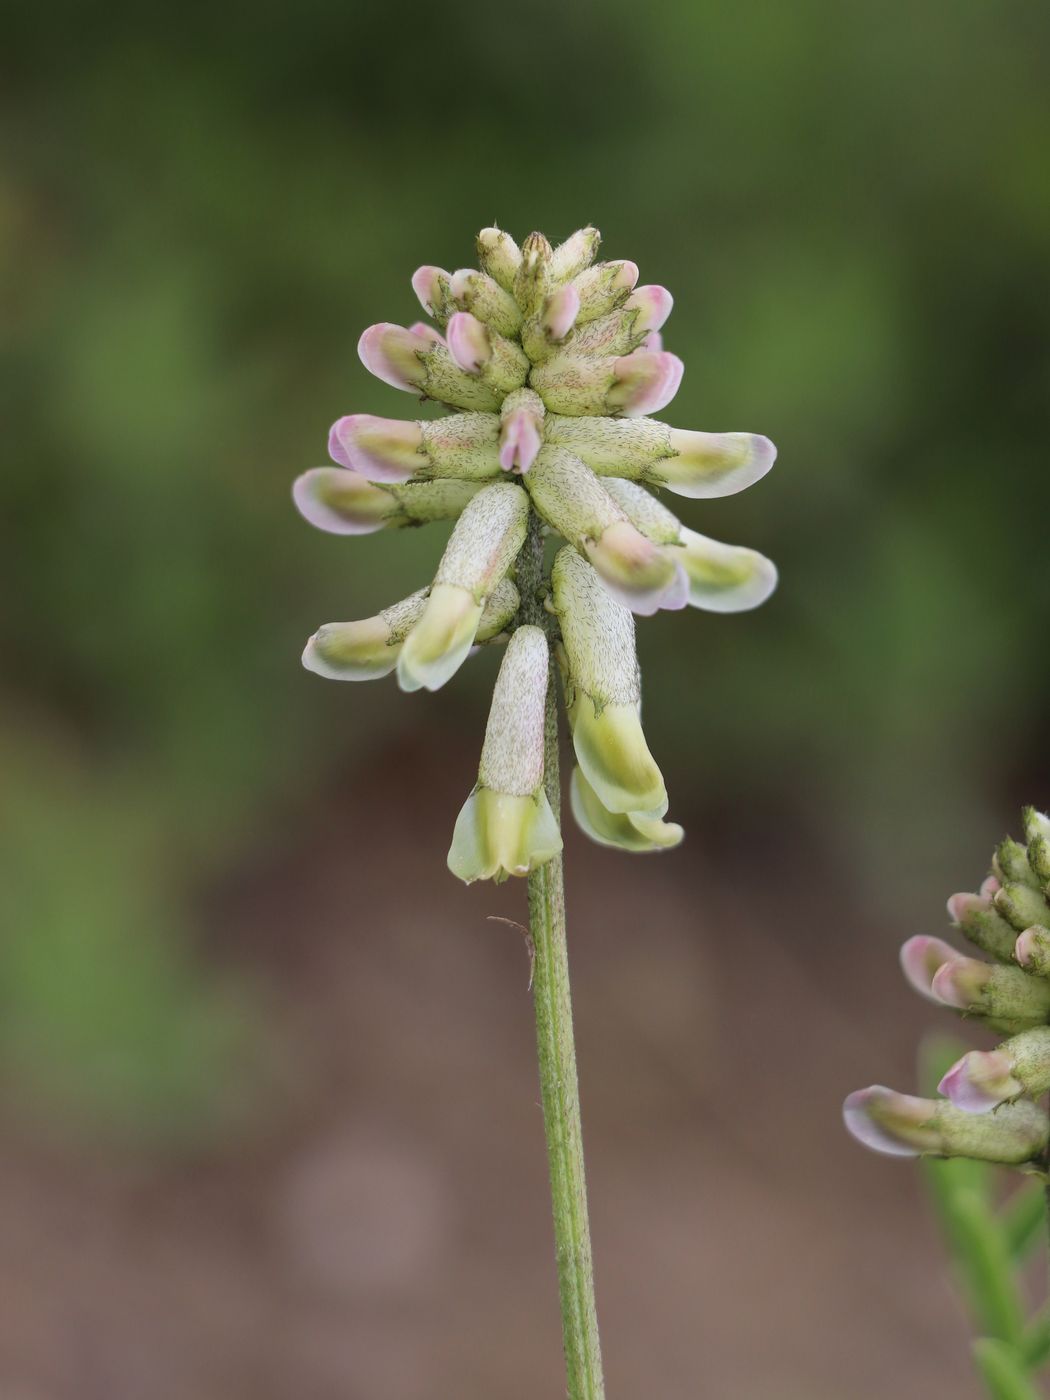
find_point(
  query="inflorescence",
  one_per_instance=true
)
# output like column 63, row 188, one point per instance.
column 988, row 1111
column 549, row 364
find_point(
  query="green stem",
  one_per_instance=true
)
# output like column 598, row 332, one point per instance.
column 557, row 1059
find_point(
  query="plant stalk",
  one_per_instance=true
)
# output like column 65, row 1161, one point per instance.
column 557, row 1058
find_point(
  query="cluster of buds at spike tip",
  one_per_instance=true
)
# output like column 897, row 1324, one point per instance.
column 988, row 1110
column 549, row 364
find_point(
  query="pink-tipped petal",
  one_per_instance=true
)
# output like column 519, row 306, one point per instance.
column 961, row 905
column 392, row 354
column 468, row 342
column 646, row 382
column 653, row 304
column 654, row 341
column 980, row 1081
column 341, row 502
column 559, row 316
column 427, row 283
column 427, row 332
column 519, row 442
column 865, row 1114
column 921, row 957
column 381, row 449
column 958, row 983
column 626, row 275
column 989, row 887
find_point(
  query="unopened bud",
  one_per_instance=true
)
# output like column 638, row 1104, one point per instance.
column 603, row 288
column 629, row 385
column 626, row 329
column 380, row 449
column 1002, row 994
column 482, row 352
column 1021, row 905
column 922, row 957
column 1011, row 864
column 343, row 502
column 1037, row 835
column 484, row 298
column 481, row 548
column 499, row 256
column 638, row 573
column 698, row 465
column 603, row 690
column 532, row 281
column 559, row 312
column 577, row 252
column 506, row 826
column 1032, row 950
column 521, row 430
column 978, row 919
column 413, row 362
column 901, row 1125
column 427, row 332
column 983, row 1079
column 627, row 831
column 432, row 287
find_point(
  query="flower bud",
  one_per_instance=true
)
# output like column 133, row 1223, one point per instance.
column 627, row 329
column 921, row 958
column 698, row 465
column 638, row 573
column 415, row 363
column 1037, row 834
column 484, row 298
column 977, row 918
column 432, row 286
column 603, row 288
column 1010, row 863
column 342, row 502
column 629, row 385
column 367, row 650
column 983, row 1079
column 636, row 831
column 602, row 691
column 1032, row 950
column 506, row 826
column 543, row 332
column 990, row 885
column 380, row 449
column 521, row 430
column 532, row 282
column 481, row 352
column 499, row 256
column 427, row 331
column 481, row 548
column 904, row 1126
column 577, row 252
column 1022, row 906
column 722, row 577
column 1004, row 994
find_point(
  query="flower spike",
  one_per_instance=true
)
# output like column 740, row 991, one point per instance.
column 549, row 364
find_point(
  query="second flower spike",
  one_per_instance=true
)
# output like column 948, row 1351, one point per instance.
column 506, row 826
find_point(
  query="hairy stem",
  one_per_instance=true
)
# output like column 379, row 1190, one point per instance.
column 557, row 1058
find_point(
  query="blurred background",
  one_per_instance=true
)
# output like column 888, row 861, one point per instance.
column 267, row 1088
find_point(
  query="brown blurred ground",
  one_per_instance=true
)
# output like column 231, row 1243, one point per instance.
column 386, row 1234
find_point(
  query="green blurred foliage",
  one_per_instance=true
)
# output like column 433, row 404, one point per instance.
column 202, row 206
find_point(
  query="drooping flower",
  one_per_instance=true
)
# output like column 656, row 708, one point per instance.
column 549, row 364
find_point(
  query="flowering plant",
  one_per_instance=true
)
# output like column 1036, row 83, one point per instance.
column 550, row 364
